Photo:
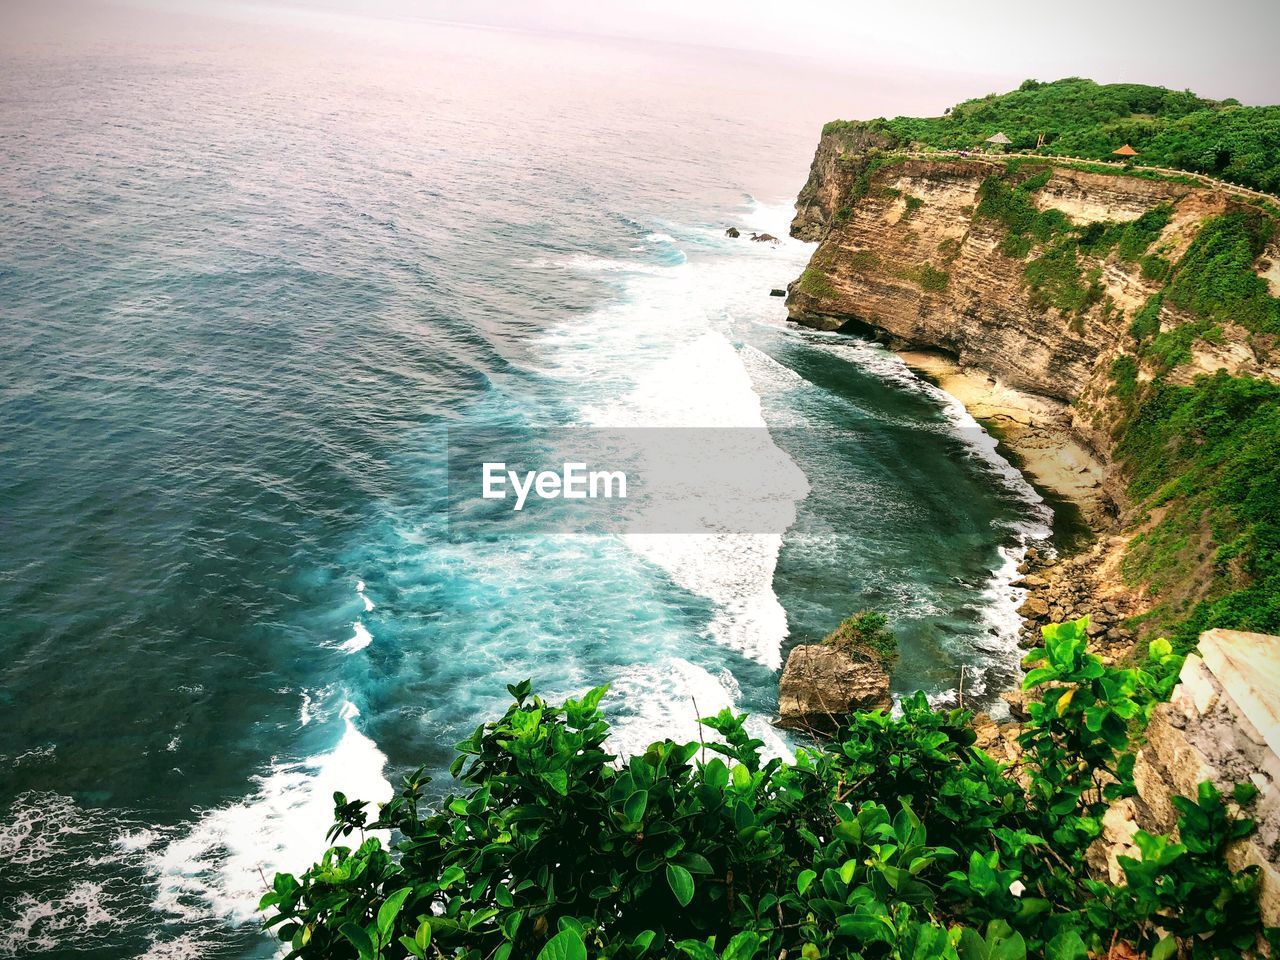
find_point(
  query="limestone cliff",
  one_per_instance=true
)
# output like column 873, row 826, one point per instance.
column 908, row 259
column 841, row 156
column 1036, row 273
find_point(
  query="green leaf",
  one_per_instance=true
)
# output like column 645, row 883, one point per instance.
column 565, row 945
column 1165, row 949
column 358, row 938
column 981, row 877
column 696, row 949
column 696, row 863
column 635, row 805
column 1010, row 946
column 1244, row 793
column 593, row 697
column 805, row 879
column 1066, row 946
column 743, row 946
column 557, row 780
column 970, row 945
column 1038, row 676
column 388, row 911
column 681, row 883
column 423, row 936
column 715, row 773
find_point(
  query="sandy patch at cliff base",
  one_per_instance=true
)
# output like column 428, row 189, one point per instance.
column 1037, row 430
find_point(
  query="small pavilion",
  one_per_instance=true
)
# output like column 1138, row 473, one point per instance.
column 1126, row 151
column 998, row 142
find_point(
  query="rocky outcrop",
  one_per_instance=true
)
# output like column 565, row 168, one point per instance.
column 1222, row 724
column 841, row 156
column 821, row 685
column 975, row 304
column 905, row 256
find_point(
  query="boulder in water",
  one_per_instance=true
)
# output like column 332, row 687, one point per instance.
column 777, row 292
column 821, row 685
column 733, row 232
column 764, row 238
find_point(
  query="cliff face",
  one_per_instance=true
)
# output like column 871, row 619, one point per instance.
column 906, row 254
column 840, row 157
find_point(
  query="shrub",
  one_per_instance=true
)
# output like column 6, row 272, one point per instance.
column 901, row 840
column 1155, row 268
column 1124, row 376
column 932, row 279
column 1056, row 279
column 1138, row 235
column 1146, row 322
column 1078, row 117
column 1215, row 278
column 865, row 634
column 863, row 260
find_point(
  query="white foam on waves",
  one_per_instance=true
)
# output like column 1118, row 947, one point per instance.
column 360, row 639
column 660, row 355
column 222, row 864
column 669, row 698
column 47, row 837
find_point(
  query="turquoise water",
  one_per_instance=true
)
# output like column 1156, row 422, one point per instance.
column 245, row 286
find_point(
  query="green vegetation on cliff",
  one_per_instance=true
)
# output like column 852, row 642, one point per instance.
column 1209, row 555
column 1082, row 118
column 1058, row 276
column 1216, row 279
column 1206, row 459
column 901, row 840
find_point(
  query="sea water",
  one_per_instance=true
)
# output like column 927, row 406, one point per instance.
column 253, row 268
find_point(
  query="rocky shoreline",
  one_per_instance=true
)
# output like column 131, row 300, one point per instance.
column 1037, row 430
column 1038, row 433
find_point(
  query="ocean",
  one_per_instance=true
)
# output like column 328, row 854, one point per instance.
column 253, row 269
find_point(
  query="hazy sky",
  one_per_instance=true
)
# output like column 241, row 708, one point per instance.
column 1220, row 49
column 1224, row 48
